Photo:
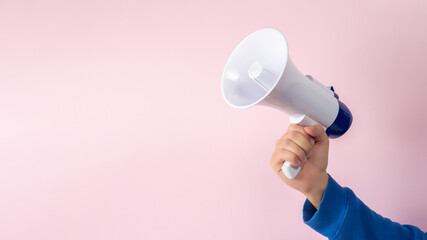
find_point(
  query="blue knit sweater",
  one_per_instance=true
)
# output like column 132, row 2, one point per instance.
column 341, row 215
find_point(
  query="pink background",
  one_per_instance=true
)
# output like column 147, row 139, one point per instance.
column 112, row 123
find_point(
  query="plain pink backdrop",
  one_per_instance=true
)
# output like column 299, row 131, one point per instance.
column 112, row 123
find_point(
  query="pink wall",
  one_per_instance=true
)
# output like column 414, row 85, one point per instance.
column 112, row 123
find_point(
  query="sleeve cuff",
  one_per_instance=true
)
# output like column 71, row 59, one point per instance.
column 332, row 209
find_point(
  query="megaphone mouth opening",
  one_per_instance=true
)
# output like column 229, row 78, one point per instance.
column 254, row 68
column 251, row 90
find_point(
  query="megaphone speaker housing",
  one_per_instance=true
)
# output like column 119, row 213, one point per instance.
column 260, row 72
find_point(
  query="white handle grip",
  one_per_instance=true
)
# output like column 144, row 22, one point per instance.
column 301, row 119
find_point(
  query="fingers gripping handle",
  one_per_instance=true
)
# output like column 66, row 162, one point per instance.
column 301, row 119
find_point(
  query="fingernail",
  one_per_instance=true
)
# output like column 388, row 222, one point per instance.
column 311, row 141
column 309, row 154
column 305, row 160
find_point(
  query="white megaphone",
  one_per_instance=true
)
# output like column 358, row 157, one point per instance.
column 260, row 71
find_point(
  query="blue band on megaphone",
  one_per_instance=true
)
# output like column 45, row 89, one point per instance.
column 342, row 123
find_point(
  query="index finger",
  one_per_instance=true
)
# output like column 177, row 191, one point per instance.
column 300, row 129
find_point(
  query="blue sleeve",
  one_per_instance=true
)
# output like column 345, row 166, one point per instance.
column 341, row 215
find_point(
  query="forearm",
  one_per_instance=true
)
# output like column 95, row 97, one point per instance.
column 317, row 189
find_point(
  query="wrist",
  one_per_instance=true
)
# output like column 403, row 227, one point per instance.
column 315, row 193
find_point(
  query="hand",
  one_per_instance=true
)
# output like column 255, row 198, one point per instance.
column 306, row 146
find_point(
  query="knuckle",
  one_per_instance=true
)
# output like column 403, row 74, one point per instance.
column 293, row 134
column 287, row 141
column 293, row 158
column 293, row 126
column 273, row 158
column 283, row 142
column 281, row 151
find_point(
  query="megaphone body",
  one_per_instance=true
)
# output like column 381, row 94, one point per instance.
column 260, row 71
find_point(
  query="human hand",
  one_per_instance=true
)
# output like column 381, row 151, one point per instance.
column 306, row 146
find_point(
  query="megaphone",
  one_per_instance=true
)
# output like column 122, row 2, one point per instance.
column 260, row 71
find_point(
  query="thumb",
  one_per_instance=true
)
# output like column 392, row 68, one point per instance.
column 317, row 132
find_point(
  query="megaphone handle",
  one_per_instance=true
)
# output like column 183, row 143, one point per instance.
column 301, row 119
